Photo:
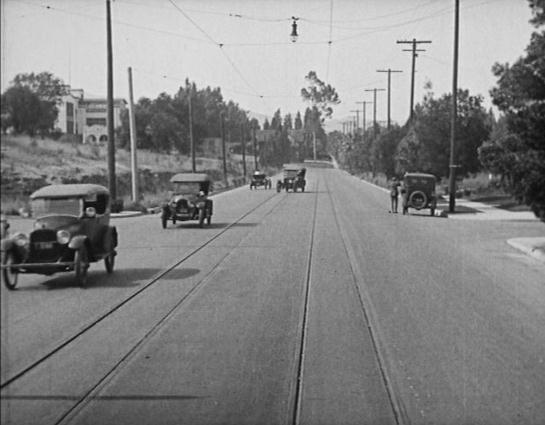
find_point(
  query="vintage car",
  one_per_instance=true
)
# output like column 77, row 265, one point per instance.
column 72, row 230
column 418, row 192
column 189, row 200
column 260, row 179
column 293, row 178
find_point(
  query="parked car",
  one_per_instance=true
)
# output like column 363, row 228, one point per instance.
column 293, row 178
column 72, row 230
column 260, row 179
column 189, row 200
column 418, row 192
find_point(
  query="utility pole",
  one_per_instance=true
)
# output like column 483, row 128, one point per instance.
column 374, row 109
column 223, row 149
column 389, row 71
column 132, row 128
column 191, row 141
column 243, row 141
column 452, row 166
column 414, row 43
column 364, row 115
column 357, row 111
column 110, row 106
column 255, row 146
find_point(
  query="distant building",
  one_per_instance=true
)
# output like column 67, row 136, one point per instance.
column 87, row 117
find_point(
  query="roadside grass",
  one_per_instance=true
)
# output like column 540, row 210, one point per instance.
column 28, row 162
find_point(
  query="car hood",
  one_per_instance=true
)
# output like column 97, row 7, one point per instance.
column 56, row 222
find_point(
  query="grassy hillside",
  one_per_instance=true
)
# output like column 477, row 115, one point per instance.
column 30, row 163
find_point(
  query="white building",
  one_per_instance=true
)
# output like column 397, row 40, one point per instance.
column 87, row 117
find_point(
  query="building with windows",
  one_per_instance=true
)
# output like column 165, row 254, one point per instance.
column 87, row 117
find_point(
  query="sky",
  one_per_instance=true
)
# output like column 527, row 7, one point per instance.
column 244, row 47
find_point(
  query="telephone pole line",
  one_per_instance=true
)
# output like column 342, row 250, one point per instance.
column 414, row 43
column 132, row 129
column 357, row 111
column 363, row 116
column 374, row 109
column 452, row 166
column 110, row 106
column 389, row 71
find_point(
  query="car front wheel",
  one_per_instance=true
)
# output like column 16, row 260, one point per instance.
column 8, row 274
column 201, row 217
column 81, row 264
column 109, row 262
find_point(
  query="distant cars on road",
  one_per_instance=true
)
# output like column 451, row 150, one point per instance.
column 293, row 178
column 260, row 179
column 418, row 192
column 189, row 200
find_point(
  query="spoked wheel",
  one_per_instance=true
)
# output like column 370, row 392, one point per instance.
column 8, row 274
column 81, row 264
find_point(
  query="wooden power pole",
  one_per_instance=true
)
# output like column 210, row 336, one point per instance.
column 389, row 71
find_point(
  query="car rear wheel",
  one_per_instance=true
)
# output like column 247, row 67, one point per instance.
column 8, row 274
column 81, row 264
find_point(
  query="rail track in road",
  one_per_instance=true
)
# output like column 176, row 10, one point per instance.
column 80, row 401
column 369, row 317
column 152, row 281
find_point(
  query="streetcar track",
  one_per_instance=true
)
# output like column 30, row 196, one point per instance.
column 155, row 278
column 118, row 366
column 395, row 403
column 304, row 322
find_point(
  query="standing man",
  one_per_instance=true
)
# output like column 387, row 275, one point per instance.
column 394, row 193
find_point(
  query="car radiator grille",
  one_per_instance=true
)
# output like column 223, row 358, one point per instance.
column 43, row 246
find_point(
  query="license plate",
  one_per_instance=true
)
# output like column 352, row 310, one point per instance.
column 43, row 245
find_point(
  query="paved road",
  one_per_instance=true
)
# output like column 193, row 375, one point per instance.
column 315, row 308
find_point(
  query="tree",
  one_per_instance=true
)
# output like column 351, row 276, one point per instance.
column 322, row 97
column 520, row 96
column 22, row 108
column 46, row 91
column 432, row 130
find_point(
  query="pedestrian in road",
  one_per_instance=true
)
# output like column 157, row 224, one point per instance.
column 394, row 194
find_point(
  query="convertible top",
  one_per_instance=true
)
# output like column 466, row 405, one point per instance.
column 190, row 178
column 68, row 190
column 293, row 166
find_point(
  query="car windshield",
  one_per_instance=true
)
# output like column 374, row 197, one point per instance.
column 290, row 173
column 64, row 206
column 186, row 188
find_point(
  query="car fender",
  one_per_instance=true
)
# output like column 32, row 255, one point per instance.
column 77, row 242
column 7, row 244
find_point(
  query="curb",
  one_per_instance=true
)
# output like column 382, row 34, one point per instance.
column 534, row 247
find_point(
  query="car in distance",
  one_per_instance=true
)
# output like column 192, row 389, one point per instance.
column 189, row 200
column 72, row 230
column 260, row 179
column 418, row 192
column 293, row 178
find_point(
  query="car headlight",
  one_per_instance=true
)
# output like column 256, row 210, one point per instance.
column 63, row 237
column 21, row 239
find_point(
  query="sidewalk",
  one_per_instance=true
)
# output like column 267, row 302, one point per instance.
column 469, row 210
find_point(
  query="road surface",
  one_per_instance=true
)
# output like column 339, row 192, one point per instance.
column 306, row 308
